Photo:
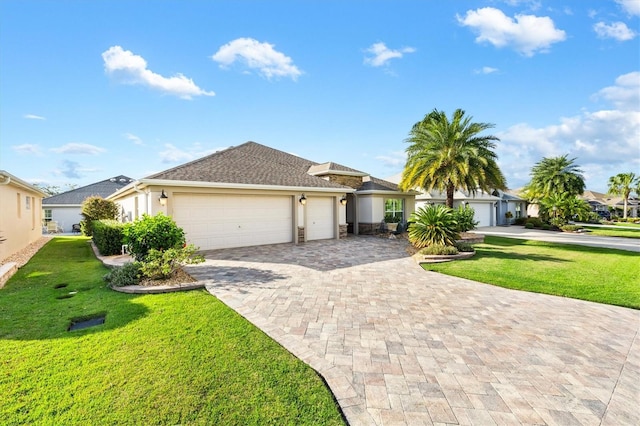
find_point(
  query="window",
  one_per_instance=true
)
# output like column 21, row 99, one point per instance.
column 394, row 208
column 27, row 203
column 518, row 210
column 47, row 215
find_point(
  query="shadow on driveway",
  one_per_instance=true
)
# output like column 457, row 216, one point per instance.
column 323, row 255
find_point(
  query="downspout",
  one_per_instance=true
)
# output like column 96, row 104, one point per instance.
column 146, row 196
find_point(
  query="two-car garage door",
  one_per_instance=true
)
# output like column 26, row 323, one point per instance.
column 224, row 221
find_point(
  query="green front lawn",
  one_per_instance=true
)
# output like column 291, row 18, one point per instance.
column 595, row 274
column 613, row 231
column 179, row 358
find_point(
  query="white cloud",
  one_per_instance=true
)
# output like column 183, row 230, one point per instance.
column 394, row 159
column 27, row 148
column 33, row 117
column 133, row 138
column 604, row 142
column 78, row 148
column 625, row 94
column 256, row 55
column 617, row 30
column 173, row 154
column 632, row 7
column 381, row 54
column 133, row 70
column 486, row 70
column 527, row 34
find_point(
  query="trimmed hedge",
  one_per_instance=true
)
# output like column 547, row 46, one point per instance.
column 108, row 236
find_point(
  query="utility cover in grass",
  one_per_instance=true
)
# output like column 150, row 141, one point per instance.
column 85, row 323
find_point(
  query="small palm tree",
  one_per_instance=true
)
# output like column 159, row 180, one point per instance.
column 449, row 155
column 622, row 184
column 431, row 225
column 554, row 175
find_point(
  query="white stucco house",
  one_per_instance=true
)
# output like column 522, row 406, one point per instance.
column 66, row 208
column 20, row 214
column 489, row 209
column 252, row 195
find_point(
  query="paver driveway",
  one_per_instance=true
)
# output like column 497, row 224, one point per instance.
column 399, row 345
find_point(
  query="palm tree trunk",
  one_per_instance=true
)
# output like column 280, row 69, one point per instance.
column 450, row 190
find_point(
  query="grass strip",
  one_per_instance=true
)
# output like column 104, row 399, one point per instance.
column 176, row 358
column 613, row 232
column 588, row 273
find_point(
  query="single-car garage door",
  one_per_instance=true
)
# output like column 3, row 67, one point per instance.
column 320, row 223
column 225, row 221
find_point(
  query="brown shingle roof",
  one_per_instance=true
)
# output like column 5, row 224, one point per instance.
column 251, row 164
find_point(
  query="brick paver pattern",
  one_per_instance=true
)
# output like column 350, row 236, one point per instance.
column 400, row 345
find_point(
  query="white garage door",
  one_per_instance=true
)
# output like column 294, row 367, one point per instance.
column 225, row 221
column 320, row 222
column 482, row 213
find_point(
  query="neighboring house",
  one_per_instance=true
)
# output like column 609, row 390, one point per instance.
column 604, row 203
column 66, row 208
column 20, row 215
column 489, row 209
column 254, row 195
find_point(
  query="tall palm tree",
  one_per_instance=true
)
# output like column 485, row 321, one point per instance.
column 622, row 184
column 554, row 175
column 449, row 155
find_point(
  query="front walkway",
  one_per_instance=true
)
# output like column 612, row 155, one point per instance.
column 399, row 345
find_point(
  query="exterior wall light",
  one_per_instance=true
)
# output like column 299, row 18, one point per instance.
column 343, row 200
column 163, row 198
column 303, row 200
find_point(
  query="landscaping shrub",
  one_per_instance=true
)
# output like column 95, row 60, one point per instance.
column 108, row 236
column 163, row 264
column 546, row 227
column 434, row 224
column 96, row 208
column 529, row 225
column 464, row 247
column 157, row 232
column 439, row 250
column 570, row 228
column 535, row 221
column 127, row 274
column 520, row 221
column 464, row 217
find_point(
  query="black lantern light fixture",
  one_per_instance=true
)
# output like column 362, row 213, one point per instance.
column 163, row 198
column 303, row 200
column 343, row 200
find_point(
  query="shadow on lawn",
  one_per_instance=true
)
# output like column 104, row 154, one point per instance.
column 62, row 284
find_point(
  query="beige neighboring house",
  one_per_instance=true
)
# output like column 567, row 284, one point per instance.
column 252, row 195
column 601, row 203
column 20, row 214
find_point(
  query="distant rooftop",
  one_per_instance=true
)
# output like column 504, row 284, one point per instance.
column 101, row 189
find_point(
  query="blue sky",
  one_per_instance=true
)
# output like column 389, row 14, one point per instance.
column 90, row 90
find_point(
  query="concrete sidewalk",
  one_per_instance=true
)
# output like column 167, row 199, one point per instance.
column 400, row 345
column 585, row 239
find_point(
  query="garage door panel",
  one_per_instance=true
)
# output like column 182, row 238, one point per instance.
column 225, row 221
column 320, row 220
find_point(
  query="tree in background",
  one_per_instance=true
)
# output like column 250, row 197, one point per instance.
column 52, row 190
column 623, row 184
column 95, row 208
column 554, row 175
column 449, row 155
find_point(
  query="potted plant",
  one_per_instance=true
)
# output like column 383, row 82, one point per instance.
column 508, row 215
column 391, row 221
